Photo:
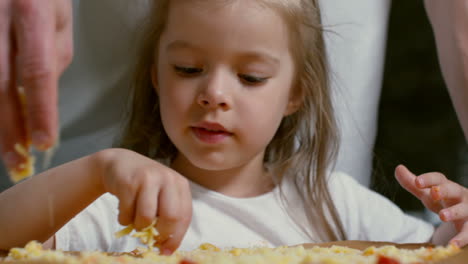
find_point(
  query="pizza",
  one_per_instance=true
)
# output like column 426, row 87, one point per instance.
column 210, row 254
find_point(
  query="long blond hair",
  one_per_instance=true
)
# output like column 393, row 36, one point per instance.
column 303, row 149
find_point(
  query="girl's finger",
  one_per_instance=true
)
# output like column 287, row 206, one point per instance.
column 456, row 212
column 146, row 205
column 185, row 198
column 127, row 200
column 407, row 180
column 428, row 180
column 461, row 239
column 449, row 191
column 172, row 223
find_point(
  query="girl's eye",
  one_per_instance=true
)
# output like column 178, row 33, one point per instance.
column 249, row 79
column 187, row 70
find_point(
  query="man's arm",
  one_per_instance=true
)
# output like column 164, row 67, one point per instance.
column 449, row 21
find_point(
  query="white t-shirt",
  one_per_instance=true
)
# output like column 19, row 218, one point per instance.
column 244, row 222
column 94, row 89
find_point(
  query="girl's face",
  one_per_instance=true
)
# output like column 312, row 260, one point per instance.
column 224, row 78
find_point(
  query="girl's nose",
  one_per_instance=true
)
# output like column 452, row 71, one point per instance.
column 214, row 94
column 211, row 103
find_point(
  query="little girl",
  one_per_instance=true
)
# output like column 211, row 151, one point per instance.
column 230, row 140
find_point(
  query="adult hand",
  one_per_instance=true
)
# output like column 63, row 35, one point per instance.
column 35, row 48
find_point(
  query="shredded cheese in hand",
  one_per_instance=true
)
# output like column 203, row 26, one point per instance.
column 25, row 169
column 148, row 235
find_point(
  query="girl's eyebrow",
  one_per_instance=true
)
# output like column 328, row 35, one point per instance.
column 258, row 55
column 247, row 55
column 181, row 44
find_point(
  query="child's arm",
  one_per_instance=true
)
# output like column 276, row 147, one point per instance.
column 444, row 197
column 36, row 208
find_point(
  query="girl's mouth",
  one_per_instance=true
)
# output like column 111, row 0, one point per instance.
column 210, row 133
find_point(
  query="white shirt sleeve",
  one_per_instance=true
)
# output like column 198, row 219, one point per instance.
column 94, row 229
column 367, row 215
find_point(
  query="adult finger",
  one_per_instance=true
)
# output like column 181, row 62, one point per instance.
column 461, row 239
column 146, row 206
column 64, row 38
column 64, row 44
column 13, row 130
column 5, row 48
column 34, row 27
column 172, row 222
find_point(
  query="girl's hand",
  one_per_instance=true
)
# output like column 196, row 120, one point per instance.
column 147, row 189
column 440, row 195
